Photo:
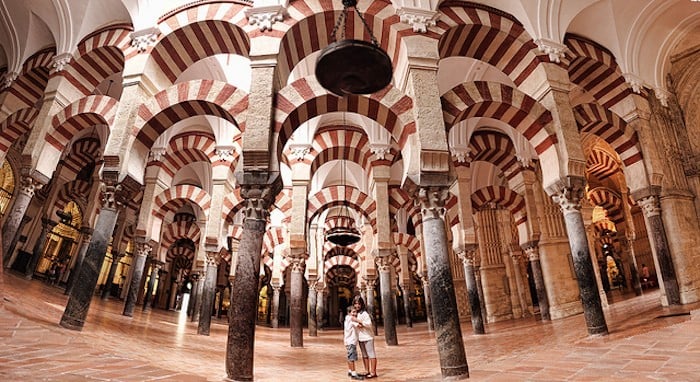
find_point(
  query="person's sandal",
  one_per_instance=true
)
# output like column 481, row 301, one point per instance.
column 370, row 375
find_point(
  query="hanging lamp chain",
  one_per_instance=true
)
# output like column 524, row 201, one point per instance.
column 342, row 20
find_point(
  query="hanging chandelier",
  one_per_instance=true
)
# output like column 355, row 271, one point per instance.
column 349, row 66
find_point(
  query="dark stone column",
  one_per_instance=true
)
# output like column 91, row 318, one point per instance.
column 85, row 236
column 116, row 257
column 634, row 273
column 370, row 302
column 148, row 298
column 426, row 299
column 85, row 281
column 388, row 312
column 174, row 288
column 27, row 187
column 296, row 324
column 211, row 271
column 311, row 306
column 533, row 254
column 468, row 258
column 46, row 227
column 193, row 308
column 448, row 333
column 244, row 294
column 406, row 289
column 320, row 307
column 569, row 199
column 657, row 234
column 143, row 249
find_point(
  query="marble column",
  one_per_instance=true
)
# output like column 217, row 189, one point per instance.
column 27, row 187
column 320, row 306
column 533, row 255
column 468, row 258
column 369, row 302
column 634, row 273
column 148, row 298
column 143, row 249
column 296, row 311
column 311, row 304
column 657, row 234
column 85, row 236
column 174, row 287
column 569, row 199
column 428, row 305
column 244, row 294
column 448, row 333
column 406, row 289
column 46, row 227
column 85, row 281
column 275, row 310
column 13, row 245
column 211, row 272
column 109, row 283
column 520, row 283
column 384, row 268
column 195, row 302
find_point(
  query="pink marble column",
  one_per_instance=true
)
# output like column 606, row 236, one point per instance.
column 311, row 306
column 388, row 313
column 296, row 324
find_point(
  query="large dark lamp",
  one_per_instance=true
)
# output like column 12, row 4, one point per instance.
column 353, row 66
column 344, row 233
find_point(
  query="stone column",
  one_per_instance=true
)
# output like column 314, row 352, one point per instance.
column 296, row 325
column 384, row 267
column 27, row 187
column 520, row 283
column 657, row 234
column 85, row 281
column 257, row 198
column 143, row 249
column 193, row 308
column 636, row 282
column 369, row 302
column 85, row 236
column 46, row 227
column 428, row 305
column 468, row 257
column 569, row 199
column 453, row 359
column 107, row 290
column 174, row 287
column 208, row 292
column 533, row 255
column 320, row 305
column 406, row 288
column 275, row 311
column 311, row 306
column 148, row 298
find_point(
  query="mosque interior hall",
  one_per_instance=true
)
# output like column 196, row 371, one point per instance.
column 192, row 189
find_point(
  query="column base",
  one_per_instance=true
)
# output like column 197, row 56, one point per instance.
column 72, row 323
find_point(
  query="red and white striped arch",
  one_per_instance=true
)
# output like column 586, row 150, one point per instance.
column 407, row 241
column 283, row 202
column 233, row 202
column 79, row 115
column 594, row 119
column 29, row 86
column 594, row 69
column 341, row 260
column 495, row 148
column 189, row 99
column 340, row 251
column 183, row 150
column 168, row 202
column 610, row 201
column 501, row 196
column 180, row 230
column 186, row 38
column 349, row 144
column 274, row 236
column 75, row 191
column 357, row 248
column 14, row 126
column 601, row 164
column 235, row 231
column 452, row 208
column 181, row 256
column 305, row 98
column 504, row 103
column 398, row 198
column 351, row 196
column 83, row 152
column 475, row 32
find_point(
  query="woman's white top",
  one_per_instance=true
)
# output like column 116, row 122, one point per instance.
column 365, row 332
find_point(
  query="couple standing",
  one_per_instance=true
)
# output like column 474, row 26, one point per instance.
column 358, row 330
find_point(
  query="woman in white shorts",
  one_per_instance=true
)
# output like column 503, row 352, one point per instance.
column 365, row 337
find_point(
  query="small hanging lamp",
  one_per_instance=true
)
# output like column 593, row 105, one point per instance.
column 353, row 66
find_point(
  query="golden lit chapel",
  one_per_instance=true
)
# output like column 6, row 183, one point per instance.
column 230, row 174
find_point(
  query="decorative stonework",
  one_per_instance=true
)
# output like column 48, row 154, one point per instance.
column 650, row 206
column 569, row 198
column 143, row 248
column 265, row 16
column 419, row 19
column 156, row 154
column 143, row 39
column 461, row 154
column 380, row 149
column 636, row 83
column 297, row 264
column 257, row 201
column 213, row 259
column 663, row 96
column 9, row 78
column 59, row 61
column 525, row 161
column 383, row 263
column 432, row 202
column 299, row 151
column 553, row 49
column 225, row 154
column 532, row 250
column 110, row 197
column 29, row 185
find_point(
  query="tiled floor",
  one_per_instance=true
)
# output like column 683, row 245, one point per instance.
column 646, row 343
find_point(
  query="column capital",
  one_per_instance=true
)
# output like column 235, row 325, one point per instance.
column 432, row 201
column 258, row 198
column 568, row 193
column 297, row 263
column 650, row 205
column 469, row 256
column 28, row 185
column 142, row 246
column 383, row 263
column 213, row 258
column 145, row 38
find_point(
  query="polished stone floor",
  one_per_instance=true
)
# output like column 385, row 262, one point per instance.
column 646, row 343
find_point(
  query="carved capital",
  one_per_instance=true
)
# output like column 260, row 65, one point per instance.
column 469, row 257
column 553, row 49
column 663, row 96
column 432, row 202
column 257, row 200
column 111, row 197
column 298, row 264
column 380, row 150
column 28, row 185
column 299, row 151
column 532, row 250
column 142, row 247
column 225, row 154
column 383, row 263
column 59, row 61
column 419, row 19
column 143, row 39
column 633, row 80
column 156, row 154
column 213, row 259
column 569, row 195
column 461, row 154
column 265, row 16
column 9, row 78
column 650, row 205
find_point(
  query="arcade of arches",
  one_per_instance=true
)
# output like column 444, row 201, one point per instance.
column 526, row 160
